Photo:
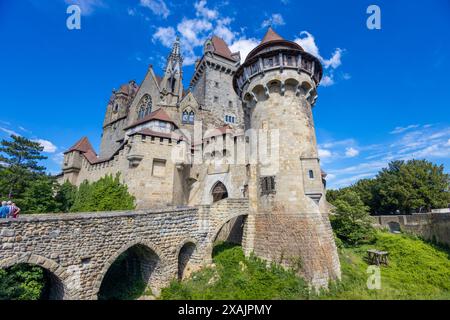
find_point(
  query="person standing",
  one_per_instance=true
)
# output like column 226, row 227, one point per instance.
column 4, row 210
column 15, row 210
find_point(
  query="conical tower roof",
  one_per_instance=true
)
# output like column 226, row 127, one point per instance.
column 271, row 40
column 271, row 36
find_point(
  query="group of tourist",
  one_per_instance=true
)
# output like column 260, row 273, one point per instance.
column 9, row 210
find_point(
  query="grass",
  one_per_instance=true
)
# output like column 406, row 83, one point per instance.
column 236, row 277
column 417, row 270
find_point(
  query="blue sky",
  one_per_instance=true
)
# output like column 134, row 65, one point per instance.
column 385, row 93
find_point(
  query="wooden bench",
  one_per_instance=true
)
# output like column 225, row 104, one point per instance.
column 377, row 257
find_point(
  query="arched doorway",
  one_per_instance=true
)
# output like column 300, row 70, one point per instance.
column 184, row 259
column 219, row 192
column 394, row 227
column 128, row 277
column 30, row 282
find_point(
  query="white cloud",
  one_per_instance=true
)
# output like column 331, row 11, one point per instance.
column 203, row 11
column 403, row 129
column 158, row 7
column 131, row 12
column 165, row 35
column 324, row 153
column 9, row 132
column 335, row 60
column 351, row 152
column 417, row 142
column 276, row 19
column 194, row 31
column 87, row 6
column 49, row 147
column 307, row 41
column 58, row 158
column 327, row 81
column 244, row 46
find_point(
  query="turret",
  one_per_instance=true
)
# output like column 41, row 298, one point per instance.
column 277, row 85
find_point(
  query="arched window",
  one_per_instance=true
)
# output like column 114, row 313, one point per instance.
column 145, row 107
column 219, row 192
column 188, row 117
column 148, row 107
column 141, row 112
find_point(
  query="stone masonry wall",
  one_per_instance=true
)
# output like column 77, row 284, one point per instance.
column 78, row 249
column 430, row 226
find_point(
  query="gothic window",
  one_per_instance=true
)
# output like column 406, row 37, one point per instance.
column 267, row 185
column 145, row 107
column 311, row 174
column 230, row 104
column 219, row 192
column 141, row 112
column 269, row 62
column 216, row 99
column 116, row 108
column 216, row 84
column 188, row 117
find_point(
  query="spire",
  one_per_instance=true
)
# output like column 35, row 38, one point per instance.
column 174, row 60
column 271, row 36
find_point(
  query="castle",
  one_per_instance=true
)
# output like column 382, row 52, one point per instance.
column 243, row 130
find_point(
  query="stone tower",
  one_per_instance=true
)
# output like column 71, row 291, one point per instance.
column 211, row 84
column 288, row 221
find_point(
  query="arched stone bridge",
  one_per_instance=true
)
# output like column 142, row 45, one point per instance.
column 77, row 250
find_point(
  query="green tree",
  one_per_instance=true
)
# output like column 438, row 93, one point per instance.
column 38, row 196
column 19, row 165
column 412, row 185
column 106, row 194
column 65, row 196
column 22, row 282
column 351, row 221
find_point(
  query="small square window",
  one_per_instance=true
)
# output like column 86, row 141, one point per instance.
column 216, row 84
column 230, row 104
column 216, row 99
column 267, row 185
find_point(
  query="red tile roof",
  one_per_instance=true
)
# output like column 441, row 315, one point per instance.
column 271, row 36
column 159, row 114
column 83, row 145
column 221, row 48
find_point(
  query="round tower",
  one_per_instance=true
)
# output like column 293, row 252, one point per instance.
column 289, row 213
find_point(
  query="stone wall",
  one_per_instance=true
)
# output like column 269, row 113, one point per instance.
column 78, row 249
column 430, row 226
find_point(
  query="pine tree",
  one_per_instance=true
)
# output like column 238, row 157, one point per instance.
column 19, row 165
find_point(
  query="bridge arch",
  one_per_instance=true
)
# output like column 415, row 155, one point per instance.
column 56, row 274
column 236, row 221
column 148, row 263
column 187, row 257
